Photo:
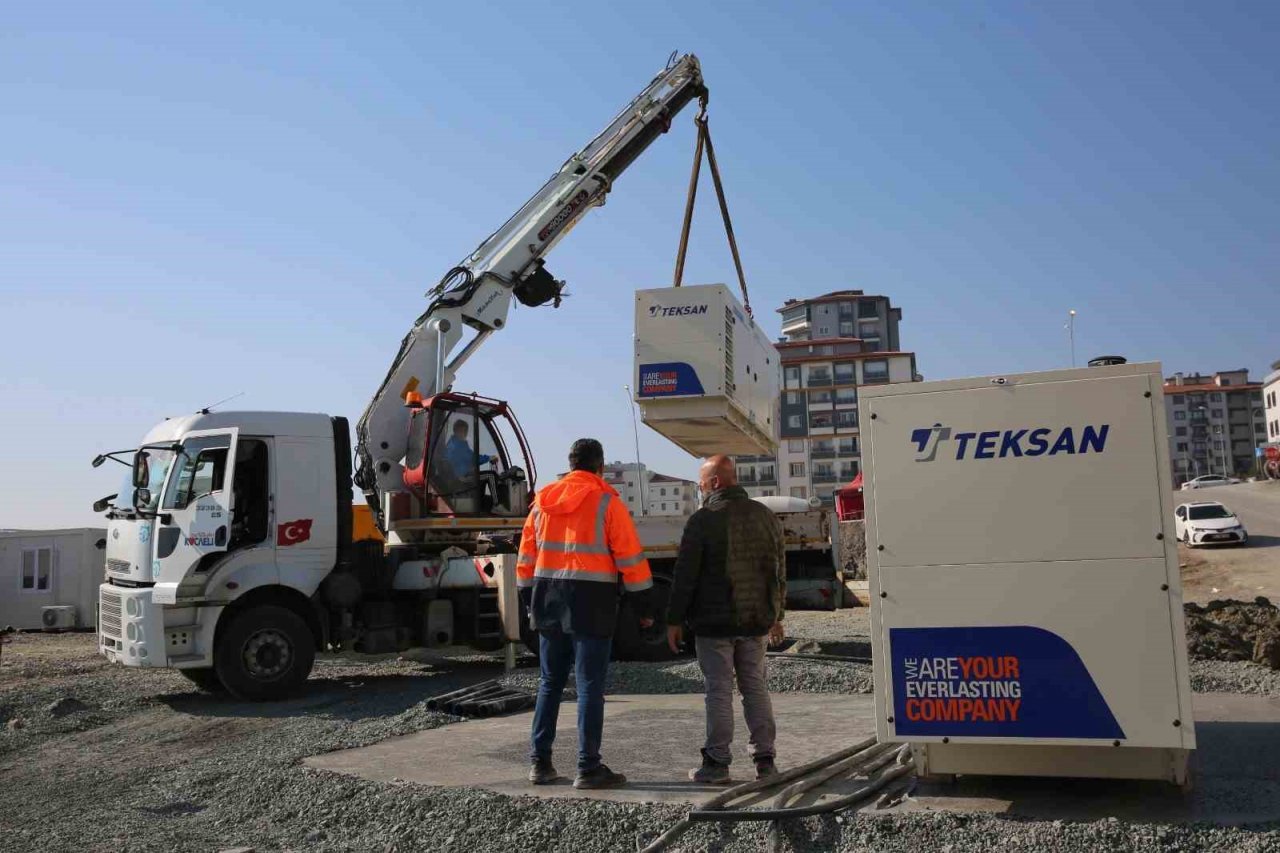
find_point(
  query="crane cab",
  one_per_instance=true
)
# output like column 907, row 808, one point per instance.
column 460, row 464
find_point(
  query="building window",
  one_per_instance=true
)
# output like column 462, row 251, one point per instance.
column 848, row 447
column 846, row 330
column 37, row 569
column 846, row 371
column 795, row 422
column 662, row 493
column 797, row 470
column 793, row 398
column 820, row 420
column 1179, row 416
column 867, row 309
column 820, row 398
column 1216, row 397
column 844, row 396
column 766, row 474
column 823, row 331
column 795, row 445
column 1217, row 413
column 1182, row 447
column 1179, row 399
column 1257, row 426
column 819, row 376
column 1181, row 430
column 847, row 418
column 799, row 491
column 792, row 377
column 875, row 370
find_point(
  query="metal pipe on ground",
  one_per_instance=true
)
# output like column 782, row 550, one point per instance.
column 667, row 838
column 434, row 702
column 863, row 763
column 505, row 704
column 453, row 705
column 715, row 815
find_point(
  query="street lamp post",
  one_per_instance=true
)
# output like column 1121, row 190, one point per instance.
column 641, row 486
column 1071, row 334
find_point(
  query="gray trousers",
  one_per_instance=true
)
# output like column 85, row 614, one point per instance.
column 720, row 659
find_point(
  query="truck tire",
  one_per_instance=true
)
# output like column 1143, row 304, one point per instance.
column 630, row 641
column 265, row 653
column 205, row 678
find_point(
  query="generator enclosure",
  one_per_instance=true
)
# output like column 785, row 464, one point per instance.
column 1026, row 601
column 706, row 375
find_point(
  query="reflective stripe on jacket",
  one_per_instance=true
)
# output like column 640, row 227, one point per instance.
column 579, row 543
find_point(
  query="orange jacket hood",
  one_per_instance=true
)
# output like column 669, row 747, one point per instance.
column 567, row 494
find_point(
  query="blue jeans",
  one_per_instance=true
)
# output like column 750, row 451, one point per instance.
column 590, row 658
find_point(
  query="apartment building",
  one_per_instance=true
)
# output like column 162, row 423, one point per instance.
column 823, row 364
column 664, row 495
column 1271, row 404
column 1215, row 421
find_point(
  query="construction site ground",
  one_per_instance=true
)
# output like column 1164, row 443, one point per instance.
column 95, row 757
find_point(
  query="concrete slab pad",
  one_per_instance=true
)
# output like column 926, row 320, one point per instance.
column 1235, row 769
column 654, row 740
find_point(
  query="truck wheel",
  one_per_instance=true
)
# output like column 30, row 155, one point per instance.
column 205, row 678
column 630, row 641
column 265, row 653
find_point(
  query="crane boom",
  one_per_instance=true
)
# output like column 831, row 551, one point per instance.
column 477, row 293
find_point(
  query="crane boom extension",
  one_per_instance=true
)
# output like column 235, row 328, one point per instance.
column 477, row 293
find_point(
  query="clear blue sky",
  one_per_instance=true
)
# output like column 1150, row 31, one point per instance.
column 203, row 199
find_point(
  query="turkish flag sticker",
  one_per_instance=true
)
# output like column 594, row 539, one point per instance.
column 293, row 532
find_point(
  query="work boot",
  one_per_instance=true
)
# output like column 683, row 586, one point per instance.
column 765, row 767
column 542, row 772
column 711, row 772
column 600, row 777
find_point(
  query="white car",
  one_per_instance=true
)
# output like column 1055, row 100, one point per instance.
column 1209, row 480
column 1208, row 523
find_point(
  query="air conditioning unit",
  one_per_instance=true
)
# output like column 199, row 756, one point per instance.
column 60, row 618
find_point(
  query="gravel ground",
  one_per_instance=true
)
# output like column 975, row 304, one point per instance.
column 147, row 764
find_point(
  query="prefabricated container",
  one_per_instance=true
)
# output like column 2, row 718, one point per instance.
column 1026, row 601
column 50, row 570
column 706, row 375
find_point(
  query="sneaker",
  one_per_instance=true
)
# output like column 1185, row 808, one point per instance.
column 542, row 772
column 711, row 772
column 600, row 777
column 766, row 768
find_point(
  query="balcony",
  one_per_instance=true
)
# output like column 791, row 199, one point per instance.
column 819, row 380
column 824, row 476
column 822, row 454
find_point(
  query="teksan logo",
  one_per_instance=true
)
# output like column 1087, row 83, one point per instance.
column 999, row 444
column 676, row 311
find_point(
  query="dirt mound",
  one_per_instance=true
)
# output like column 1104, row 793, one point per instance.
column 1234, row 630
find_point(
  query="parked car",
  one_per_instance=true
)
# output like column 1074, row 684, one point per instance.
column 1209, row 480
column 1208, row 523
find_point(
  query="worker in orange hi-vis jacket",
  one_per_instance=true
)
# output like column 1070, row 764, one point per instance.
column 578, row 552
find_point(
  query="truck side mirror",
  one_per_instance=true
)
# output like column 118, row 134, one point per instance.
column 141, row 470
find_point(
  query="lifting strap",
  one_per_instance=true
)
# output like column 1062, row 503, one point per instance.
column 704, row 142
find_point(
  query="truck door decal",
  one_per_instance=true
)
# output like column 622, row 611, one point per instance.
column 1012, row 681
column 293, row 532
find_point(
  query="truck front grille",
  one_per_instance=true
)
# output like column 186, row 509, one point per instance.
column 109, row 614
column 119, row 567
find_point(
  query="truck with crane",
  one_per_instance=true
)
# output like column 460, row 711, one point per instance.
column 234, row 551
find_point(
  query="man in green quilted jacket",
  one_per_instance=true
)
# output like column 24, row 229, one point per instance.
column 730, row 585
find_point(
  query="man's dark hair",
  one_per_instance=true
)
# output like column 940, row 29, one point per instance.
column 587, row 454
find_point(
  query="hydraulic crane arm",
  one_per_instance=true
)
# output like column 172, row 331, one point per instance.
column 477, row 293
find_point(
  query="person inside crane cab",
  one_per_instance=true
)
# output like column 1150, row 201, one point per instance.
column 460, row 454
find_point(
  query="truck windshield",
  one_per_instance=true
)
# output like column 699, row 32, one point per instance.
column 158, row 462
column 1200, row 513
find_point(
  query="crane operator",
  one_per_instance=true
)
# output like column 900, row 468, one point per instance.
column 459, row 453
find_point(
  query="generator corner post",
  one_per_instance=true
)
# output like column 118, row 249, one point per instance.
column 1026, row 600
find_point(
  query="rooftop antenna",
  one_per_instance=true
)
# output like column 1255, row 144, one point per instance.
column 207, row 409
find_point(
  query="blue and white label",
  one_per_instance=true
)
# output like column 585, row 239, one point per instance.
column 1013, row 681
column 1009, row 443
column 669, row 379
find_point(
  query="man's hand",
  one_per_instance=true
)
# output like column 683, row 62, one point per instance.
column 776, row 634
column 646, row 622
column 675, row 636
